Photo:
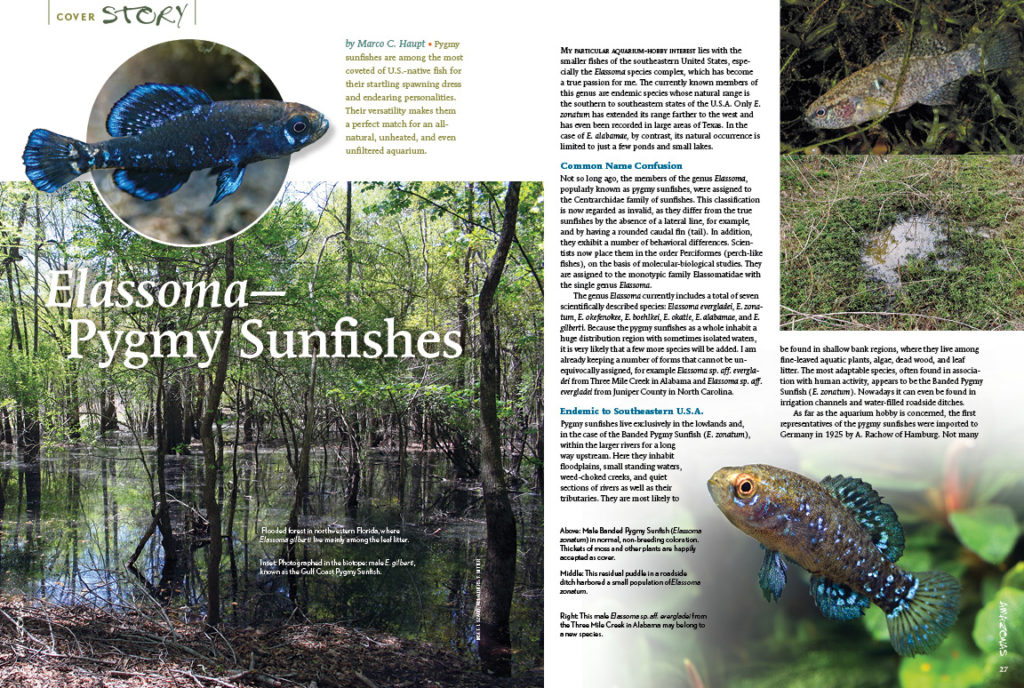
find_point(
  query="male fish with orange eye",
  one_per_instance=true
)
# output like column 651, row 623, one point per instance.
column 840, row 531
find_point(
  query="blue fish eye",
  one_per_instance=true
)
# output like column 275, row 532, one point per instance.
column 820, row 112
column 299, row 125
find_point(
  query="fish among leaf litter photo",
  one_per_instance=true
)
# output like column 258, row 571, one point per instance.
column 164, row 132
column 848, row 540
column 928, row 71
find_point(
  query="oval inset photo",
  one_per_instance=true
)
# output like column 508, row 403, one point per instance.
column 188, row 142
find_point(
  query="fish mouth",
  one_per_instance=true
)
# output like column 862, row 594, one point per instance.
column 322, row 125
column 811, row 118
column 720, row 484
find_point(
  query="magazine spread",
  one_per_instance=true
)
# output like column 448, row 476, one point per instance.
column 279, row 344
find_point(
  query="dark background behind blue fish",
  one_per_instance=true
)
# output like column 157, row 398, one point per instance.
column 186, row 217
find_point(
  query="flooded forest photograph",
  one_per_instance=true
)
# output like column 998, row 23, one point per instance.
column 311, row 455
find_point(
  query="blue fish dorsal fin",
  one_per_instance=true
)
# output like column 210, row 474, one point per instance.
column 878, row 518
column 836, row 601
column 148, row 105
column 772, row 576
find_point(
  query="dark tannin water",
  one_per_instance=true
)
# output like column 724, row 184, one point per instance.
column 72, row 520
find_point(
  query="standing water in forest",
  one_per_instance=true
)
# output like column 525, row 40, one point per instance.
column 68, row 544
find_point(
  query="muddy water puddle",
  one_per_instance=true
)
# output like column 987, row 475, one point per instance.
column 915, row 237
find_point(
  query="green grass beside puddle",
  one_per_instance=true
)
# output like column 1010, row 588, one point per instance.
column 975, row 278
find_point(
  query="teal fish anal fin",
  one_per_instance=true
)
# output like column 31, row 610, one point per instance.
column 946, row 95
column 924, row 616
column 772, row 575
column 879, row 519
column 228, row 181
column 836, row 601
column 148, row 105
column 149, row 185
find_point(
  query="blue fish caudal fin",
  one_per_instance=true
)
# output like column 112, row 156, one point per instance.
column 922, row 619
column 52, row 160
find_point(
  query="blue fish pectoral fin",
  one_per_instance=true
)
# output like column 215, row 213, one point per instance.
column 772, row 575
column 945, row 95
column 228, row 181
column 923, row 618
column 867, row 507
column 149, row 185
column 148, row 105
column 836, row 601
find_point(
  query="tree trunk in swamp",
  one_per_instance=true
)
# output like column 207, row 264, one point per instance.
column 174, row 419
column 73, row 418
column 352, row 470
column 162, row 515
column 108, row 411
column 247, row 411
column 403, row 458
column 31, row 443
column 538, row 484
column 210, row 454
column 6, row 429
column 173, row 413
column 301, row 470
column 500, row 563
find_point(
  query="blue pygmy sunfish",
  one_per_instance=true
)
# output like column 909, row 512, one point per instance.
column 840, row 531
column 162, row 133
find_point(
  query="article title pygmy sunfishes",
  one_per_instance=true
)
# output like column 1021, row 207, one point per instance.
column 842, row 533
column 162, row 133
column 929, row 73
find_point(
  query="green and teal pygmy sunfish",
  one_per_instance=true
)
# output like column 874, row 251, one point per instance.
column 162, row 133
column 840, row 531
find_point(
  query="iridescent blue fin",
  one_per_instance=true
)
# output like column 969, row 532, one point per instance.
column 147, row 105
column 772, row 575
column 228, row 181
column 149, row 185
column 836, row 601
column 52, row 160
column 879, row 519
column 923, row 618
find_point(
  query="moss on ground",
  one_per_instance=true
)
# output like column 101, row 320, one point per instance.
column 975, row 279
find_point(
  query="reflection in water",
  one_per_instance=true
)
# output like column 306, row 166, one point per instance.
column 887, row 250
column 914, row 237
column 72, row 520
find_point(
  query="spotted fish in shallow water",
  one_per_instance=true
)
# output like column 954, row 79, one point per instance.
column 894, row 81
column 162, row 133
column 849, row 541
